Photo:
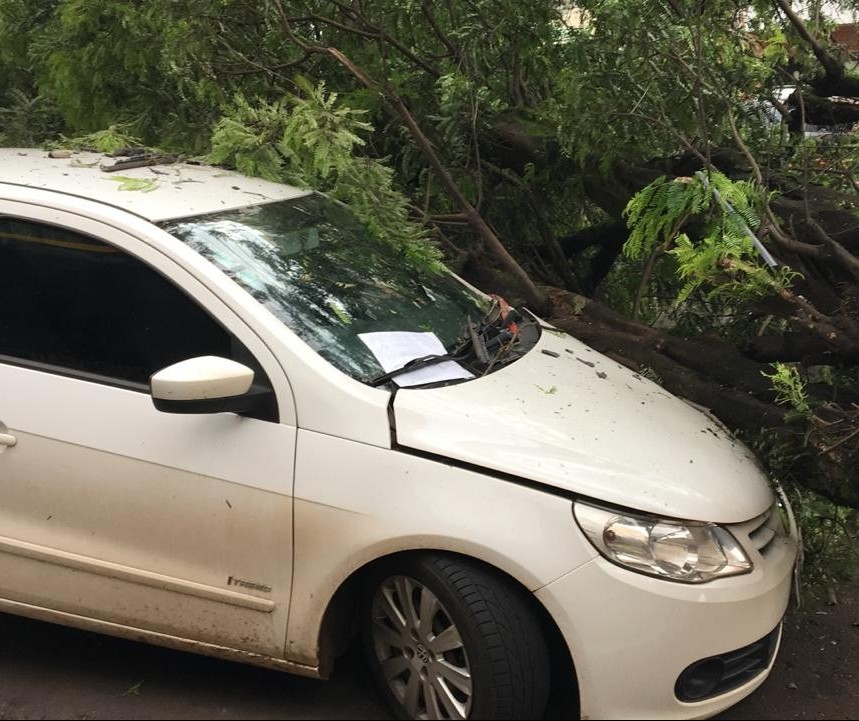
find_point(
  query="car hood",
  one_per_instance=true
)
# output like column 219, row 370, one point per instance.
column 569, row 417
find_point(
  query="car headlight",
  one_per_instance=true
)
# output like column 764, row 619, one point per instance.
column 675, row 550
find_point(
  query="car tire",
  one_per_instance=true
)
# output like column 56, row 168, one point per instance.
column 448, row 638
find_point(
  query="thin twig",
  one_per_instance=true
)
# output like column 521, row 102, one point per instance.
column 840, row 443
column 651, row 264
column 476, row 140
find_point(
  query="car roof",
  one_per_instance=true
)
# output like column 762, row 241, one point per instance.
column 170, row 191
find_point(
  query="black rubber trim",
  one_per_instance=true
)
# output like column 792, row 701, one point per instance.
column 72, row 373
column 258, row 403
column 392, row 418
column 739, row 667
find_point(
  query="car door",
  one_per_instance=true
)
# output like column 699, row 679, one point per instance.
column 176, row 524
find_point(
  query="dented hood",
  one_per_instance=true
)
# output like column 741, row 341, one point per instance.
column 569, row 417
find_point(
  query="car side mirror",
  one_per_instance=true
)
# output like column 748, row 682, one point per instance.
column 207, row 384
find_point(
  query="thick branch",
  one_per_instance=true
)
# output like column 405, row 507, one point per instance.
column 830, row 64
column 790, row 348
column 721, row 383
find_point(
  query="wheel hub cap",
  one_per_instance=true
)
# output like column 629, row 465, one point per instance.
column 420, row 651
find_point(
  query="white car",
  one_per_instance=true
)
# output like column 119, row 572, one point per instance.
column 208, row 442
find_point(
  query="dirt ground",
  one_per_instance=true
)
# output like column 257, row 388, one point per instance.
column 52, row 672
column 817, row 673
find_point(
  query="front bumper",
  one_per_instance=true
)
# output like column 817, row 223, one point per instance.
column 631, row 636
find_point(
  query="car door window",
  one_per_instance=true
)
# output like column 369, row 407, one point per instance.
column 75, row 305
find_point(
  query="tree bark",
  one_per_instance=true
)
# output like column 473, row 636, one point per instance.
column 831, row 65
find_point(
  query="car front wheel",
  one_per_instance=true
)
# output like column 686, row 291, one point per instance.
column 449, row 639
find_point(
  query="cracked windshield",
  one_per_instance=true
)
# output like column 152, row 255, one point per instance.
column 316, row 268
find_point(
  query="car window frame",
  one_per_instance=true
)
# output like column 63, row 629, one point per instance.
column 172, row 272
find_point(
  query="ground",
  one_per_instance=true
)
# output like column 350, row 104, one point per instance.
column 52, row 672
column 817, row 673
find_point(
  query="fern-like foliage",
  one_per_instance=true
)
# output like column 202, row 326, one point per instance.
column 309, row 140
column 320, row 139
column 729, row 266
column 656, row 213
column 790, row 389
column 247, row 138
column 723, row 260
column 367, row 186
column 104, row 141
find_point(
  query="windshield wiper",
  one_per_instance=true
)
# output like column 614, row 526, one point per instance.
column 413, row 365
column 485, row 343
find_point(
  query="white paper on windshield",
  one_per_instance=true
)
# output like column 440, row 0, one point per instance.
column 395, row 348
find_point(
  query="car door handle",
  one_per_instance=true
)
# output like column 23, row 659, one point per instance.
column 7, row 439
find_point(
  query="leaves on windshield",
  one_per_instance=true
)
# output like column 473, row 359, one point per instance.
column 320, row 271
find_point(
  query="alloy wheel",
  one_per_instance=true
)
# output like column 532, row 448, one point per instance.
column 420, row 651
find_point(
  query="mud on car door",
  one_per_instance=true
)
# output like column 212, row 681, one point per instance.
column 109, row 509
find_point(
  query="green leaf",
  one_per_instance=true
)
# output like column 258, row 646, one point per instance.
column 143, row 185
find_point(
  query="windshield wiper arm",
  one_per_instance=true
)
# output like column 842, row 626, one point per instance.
column 413, row 365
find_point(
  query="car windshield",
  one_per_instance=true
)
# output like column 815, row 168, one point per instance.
column 326, row 277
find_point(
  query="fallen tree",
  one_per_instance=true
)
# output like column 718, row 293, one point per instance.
column 519, row 141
